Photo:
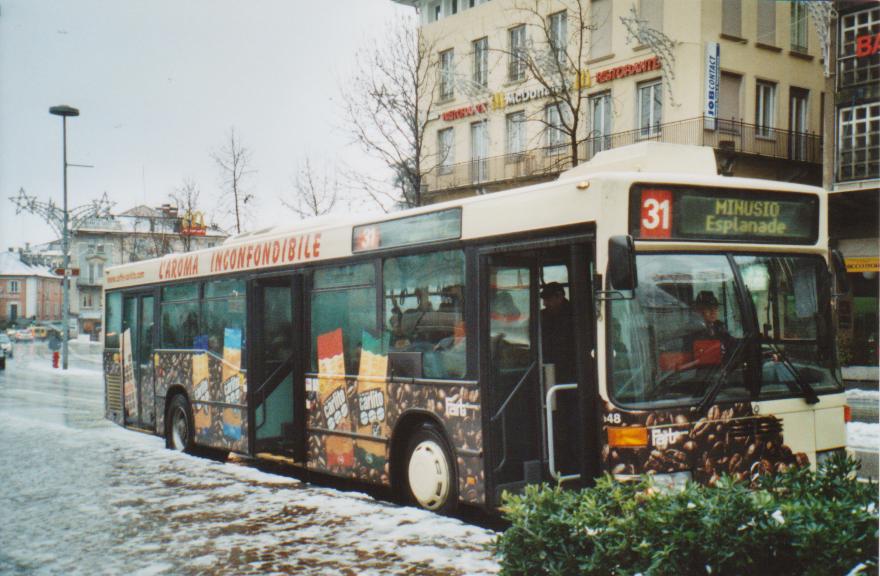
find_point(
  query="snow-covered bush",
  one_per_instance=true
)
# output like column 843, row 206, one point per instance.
column 798, row 522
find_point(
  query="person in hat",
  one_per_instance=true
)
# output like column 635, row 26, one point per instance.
column 557, row 332
column 711, row 342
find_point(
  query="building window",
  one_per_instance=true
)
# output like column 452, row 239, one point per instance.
column 87, row 300
column 601, row 25
column 481, row 62
column 799, row 18
column 858, row 145
column 13, row 287
column 650, row 108
column 765, row 108
column 556, row 136
column 729, row 102
column 854, row 66
column 600, row 117
column 435, row 12
column 479, row 152
column 516, row 69
column 447, row 72
column 558, row 24
column 731, row 17
column 516, row 134
column 651, row 11
column 445, row 152
column 767, row 22
column 798, row 118
column 453, row 5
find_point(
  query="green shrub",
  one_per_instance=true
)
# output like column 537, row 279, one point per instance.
column 798, row 522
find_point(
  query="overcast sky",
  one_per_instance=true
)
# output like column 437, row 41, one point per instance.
column 159, row 83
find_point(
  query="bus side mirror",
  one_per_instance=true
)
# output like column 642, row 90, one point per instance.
column 622, row 263
column 841, row 280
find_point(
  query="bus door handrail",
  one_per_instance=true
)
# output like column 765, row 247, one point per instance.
column 551, row 449
column 500, row 414
column 274, row 379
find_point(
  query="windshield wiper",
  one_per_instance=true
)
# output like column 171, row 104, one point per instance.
column 809, row 393
column 721, row 379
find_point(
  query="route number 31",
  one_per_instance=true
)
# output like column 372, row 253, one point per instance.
column 656, row 217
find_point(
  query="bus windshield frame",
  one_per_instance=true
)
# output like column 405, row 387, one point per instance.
column 770, row 337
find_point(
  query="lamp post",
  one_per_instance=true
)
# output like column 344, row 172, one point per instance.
column 64, row 112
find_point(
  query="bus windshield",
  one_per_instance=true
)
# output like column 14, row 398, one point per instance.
column 717, row 326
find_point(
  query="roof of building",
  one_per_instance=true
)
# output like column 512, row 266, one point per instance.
column 11, row 265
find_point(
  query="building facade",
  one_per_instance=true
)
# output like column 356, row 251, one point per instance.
column 136, row 234
column 852, row 172
column 27, row 293
column 742, row 76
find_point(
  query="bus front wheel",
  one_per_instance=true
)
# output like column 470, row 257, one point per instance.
column 430, row 471
column 179, row 435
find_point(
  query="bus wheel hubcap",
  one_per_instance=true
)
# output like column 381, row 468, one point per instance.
column 178, row 429
column 429, row 475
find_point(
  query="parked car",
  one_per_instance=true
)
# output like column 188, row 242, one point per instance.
column 40, row 332
column 6, row 345
column 24, row 335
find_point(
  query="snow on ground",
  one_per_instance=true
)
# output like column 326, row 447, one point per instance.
column 80, row 495
column 864, row 435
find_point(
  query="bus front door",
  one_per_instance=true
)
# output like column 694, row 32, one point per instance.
column 276, row 376
column 543, row 421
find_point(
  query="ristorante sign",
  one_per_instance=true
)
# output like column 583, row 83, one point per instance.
column 649, row 65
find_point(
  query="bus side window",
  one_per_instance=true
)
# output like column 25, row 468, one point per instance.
column 343, row 298
column 424, row 311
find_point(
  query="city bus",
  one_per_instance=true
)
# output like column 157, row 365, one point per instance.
column 640, row 314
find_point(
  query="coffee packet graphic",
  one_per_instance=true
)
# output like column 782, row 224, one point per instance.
column 200, row 383
column 372, row 395
column 333, row 402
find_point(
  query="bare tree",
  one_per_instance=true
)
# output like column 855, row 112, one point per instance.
column 186, row 198
column 387, row 105
column 234, row 161
column 313, row 194
column 554, row 53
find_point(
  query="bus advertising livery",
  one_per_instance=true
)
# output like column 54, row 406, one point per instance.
column 639, row 315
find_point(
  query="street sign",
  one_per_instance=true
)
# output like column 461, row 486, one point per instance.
column 70, row 271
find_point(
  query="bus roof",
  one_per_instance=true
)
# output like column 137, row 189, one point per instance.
column 579, row 195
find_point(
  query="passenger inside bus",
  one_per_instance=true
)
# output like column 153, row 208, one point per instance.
column 557, row 332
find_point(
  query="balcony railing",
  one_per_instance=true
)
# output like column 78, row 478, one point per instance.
column 731, row 136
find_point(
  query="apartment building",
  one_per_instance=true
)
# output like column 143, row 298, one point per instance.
column 742, row 76
column 852, row 172
column 135, row 234
column 27, row 293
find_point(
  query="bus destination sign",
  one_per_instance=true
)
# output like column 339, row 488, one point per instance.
column 667, row 213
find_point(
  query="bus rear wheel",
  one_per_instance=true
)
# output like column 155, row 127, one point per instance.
column 430, row 471
column 179, row 425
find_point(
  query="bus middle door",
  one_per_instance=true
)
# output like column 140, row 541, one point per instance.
column 276, row 375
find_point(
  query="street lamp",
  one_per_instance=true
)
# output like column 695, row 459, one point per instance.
column 64, row 112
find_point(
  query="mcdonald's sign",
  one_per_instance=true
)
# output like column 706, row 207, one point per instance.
column 193, row 224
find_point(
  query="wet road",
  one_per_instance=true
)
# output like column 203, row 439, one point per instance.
column 80, row 495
